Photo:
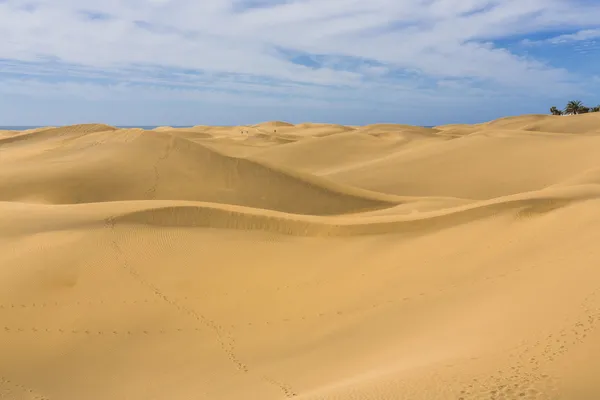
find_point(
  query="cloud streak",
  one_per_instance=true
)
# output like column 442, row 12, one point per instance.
column 578, row 36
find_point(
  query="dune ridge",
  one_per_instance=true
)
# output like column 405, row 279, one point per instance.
column 53, row 133
column 220, row 217
column 309, row 261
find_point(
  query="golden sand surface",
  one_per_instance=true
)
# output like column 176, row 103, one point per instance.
column 308, row 261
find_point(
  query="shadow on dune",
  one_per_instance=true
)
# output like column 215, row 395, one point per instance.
column 158, row 166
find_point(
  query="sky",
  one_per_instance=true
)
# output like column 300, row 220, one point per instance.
column 231, row 62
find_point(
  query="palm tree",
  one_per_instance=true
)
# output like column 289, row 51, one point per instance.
column 595, row 109
column 555, row 111
column 574, row 107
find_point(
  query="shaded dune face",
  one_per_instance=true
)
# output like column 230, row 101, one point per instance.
column 309, row 261
column 158, row 166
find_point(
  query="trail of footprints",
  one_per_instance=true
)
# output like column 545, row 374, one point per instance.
column 151, row 192
column 521, row 381
column 10, row 390
column 78, row 303
column 225, row 338
column 384, row 303
column 526, row 378
column 286, row 389
column 92, row 332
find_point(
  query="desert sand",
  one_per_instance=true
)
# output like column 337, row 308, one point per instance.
column 306, row 261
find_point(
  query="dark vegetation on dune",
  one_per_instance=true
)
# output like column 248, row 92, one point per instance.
column 574, row 107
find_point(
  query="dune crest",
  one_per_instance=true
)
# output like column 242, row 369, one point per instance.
column 274, row 124
column 311, row 261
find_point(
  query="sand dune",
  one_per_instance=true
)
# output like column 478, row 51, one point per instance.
column 131, row 165
column 397, row 129
column 57, row 133
column 273, row 124
column 337, row 151
column 583, row 123
column 482, row 165
column 314, row 262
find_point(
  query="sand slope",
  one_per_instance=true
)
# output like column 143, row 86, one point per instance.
column 378, row 262
column 136, row 165
column 481, row 165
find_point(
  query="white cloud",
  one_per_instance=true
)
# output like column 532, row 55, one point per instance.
column 441, row 39
column 582, row 35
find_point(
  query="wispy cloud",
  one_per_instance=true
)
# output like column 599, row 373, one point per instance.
column 312, row 51
column 582, row 35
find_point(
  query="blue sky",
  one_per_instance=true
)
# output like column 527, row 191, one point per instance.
column 188, row 62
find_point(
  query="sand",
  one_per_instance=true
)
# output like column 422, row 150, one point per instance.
column 306, row 261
